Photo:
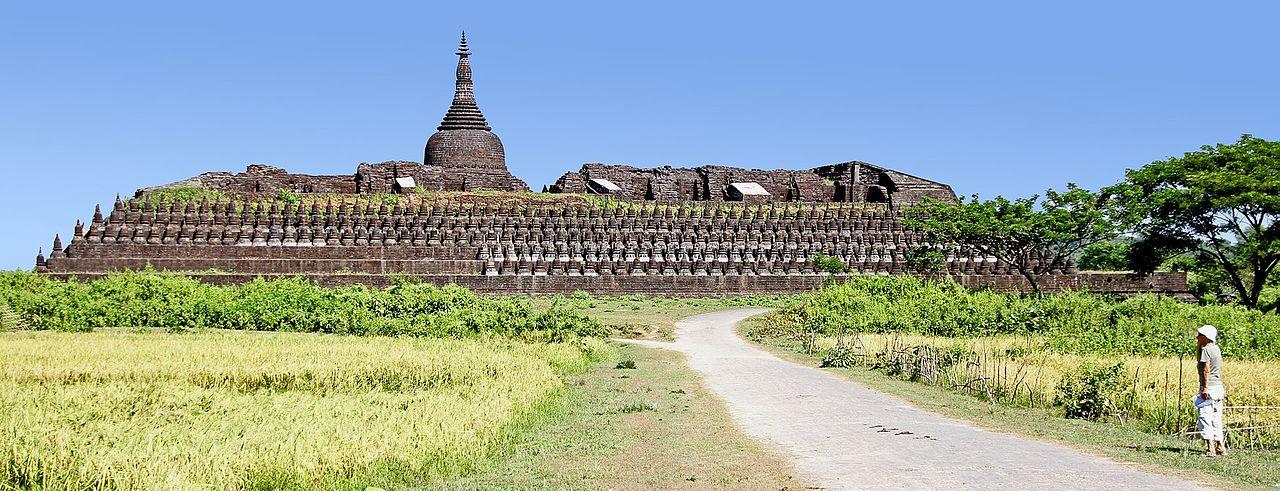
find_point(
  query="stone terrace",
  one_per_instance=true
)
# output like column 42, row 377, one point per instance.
column 499, row 245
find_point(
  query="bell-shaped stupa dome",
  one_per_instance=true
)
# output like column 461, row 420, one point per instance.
column 464, row 140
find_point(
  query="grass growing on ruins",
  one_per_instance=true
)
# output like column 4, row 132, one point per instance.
column 459, row 200
column 229, row 409
column 1126, row 365
column 180, row 194
column 474, row 201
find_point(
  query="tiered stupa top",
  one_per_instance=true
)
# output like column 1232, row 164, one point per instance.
column 464, row 114
column 464, row 140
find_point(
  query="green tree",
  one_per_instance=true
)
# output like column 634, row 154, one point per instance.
column 1112, row 255
column 1030, row 235
column 1219, row 204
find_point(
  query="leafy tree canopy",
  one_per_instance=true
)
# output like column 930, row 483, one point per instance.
column 1219, row 203
column 1112, row 255
column 1031, row 235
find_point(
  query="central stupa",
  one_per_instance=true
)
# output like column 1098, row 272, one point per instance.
column 470, row 157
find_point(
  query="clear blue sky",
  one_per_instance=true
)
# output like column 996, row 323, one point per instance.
column 99, row 98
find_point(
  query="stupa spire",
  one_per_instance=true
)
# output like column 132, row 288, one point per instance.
column 462, row 46
column 464, row 114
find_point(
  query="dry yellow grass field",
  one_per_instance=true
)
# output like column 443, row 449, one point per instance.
column 263, row 410
column 1024, row 365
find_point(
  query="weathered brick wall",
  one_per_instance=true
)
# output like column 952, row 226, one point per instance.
column 380, row 178
column 264, row 179
column 573, row 243
column 369, row 178
column 845, row 182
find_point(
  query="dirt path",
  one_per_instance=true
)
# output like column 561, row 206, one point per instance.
column 846, row 436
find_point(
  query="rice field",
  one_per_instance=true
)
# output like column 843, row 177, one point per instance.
column 253, row 410
column 1022, row 371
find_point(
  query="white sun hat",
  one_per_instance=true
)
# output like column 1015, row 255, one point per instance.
column 1209, row 332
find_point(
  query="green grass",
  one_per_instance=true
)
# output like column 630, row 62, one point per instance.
column 1121, row 442
column 652, row 427
column 180, row 194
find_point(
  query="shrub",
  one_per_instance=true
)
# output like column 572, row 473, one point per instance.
column 288, row 196
column 839, row 356
column 828, row 264
column 1092, row 392
column 925, row 259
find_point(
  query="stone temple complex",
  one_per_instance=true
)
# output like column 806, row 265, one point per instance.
column 461, row 217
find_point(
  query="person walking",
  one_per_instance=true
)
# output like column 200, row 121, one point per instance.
column 1209, row 400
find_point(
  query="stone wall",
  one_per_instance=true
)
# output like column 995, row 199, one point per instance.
column 258, row 179
column 849, row 182
column 264, row 179
column 380, row 178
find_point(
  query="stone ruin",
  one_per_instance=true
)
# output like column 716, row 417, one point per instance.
column 710, row 230
column 847, row 182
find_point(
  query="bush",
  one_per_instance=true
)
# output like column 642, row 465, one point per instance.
column 839, row 356
column 1071, row 322
column 1092, row 392
column 828, row 264
column 925, row 259
column 288, row 196
column 148, row 299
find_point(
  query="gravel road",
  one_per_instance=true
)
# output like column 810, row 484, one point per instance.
column 843, row 435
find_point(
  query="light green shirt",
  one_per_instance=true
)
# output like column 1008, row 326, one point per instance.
column 1211, row 355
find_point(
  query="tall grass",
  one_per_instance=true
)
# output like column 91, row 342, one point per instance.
column 1153, row 392
column 233, row 410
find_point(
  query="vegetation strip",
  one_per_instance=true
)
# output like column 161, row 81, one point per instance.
column 146, row 299
column 1121, row 362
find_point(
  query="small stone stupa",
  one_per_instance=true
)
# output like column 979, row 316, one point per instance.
column 464, row 149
